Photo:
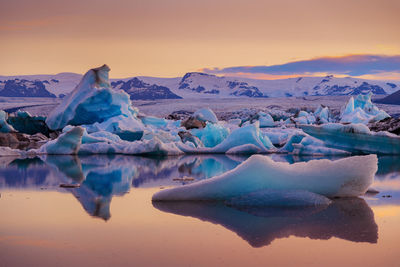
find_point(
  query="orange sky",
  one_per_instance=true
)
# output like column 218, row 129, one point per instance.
column 169, row 37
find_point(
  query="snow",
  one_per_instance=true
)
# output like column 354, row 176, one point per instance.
column 362, row 110
column 205, row 114
column 279, row 198
column 355, row 138
column 4, row 126
column 340, row 178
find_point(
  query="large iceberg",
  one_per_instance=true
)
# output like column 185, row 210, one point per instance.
column 362, row 110
column 355, row 138
column 94, row 101
column 340, row 178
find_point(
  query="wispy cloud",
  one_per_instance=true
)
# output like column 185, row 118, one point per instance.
column 350, row 65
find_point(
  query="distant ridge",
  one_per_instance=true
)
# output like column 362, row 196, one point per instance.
column 393, row 99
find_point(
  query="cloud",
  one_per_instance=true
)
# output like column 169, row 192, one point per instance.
column 351, row 65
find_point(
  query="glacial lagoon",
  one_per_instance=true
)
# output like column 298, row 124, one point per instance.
column 105, row 217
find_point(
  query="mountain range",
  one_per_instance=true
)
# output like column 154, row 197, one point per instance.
column 197, row 85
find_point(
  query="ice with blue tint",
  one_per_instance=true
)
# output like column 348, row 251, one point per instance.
column 322, row 114
column 362, row 110
column 93, row 100
column 301, row 143
column 246, row 135
column 205, row 114
column 305, row 118
column 279, row 198
column 67, row 143
column 128, row 128
column 211, row 135
column 340, row 178
column 355, row 138
column 266, row 120
column 4, row 126
column 154, row 121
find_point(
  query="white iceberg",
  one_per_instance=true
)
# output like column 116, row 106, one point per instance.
column 265, row 120
column 362, row 110
column 355, row 138
column 346, row 177
column 205, row 114
column 322, row 115
column 93, row 100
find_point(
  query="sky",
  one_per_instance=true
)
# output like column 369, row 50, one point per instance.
column 167, row 38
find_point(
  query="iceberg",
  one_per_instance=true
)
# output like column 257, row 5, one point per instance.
column 67, row 143
column 211, row 135
column 362, row 110
column 355, row 138
column 93, row 100
column 322, row 115
column 265, row 120
column 301, row 143
column 246, row 135
column 205, row 114
column 338, row 178
column 4, row 126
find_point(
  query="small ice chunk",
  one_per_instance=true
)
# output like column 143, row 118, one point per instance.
column 211, row 135
column 67, row 143
column 205, row 114
column 4, row 126
column 340, row 178
column 279, row 198
column 266, row 120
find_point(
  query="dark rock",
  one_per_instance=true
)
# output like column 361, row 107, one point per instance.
column 193, row 123
column 70, row 185
column 22, row 141
column 391, row 125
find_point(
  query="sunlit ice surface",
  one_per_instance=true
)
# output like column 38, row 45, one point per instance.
column 110, row 219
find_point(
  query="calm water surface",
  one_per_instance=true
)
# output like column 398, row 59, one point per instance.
column 110, row 219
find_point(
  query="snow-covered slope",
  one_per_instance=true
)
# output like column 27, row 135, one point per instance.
column 199, row 85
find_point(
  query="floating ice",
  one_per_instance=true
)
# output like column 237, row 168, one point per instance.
column 279, row 198
column 67, row 143
column 300, row 143
column 356, row 138
column 211, row 135
column 91, row 101
column 246, row 135
column 205, row 114
column 340, row 178
column 266, row 120
column 362, row 110
column 4, row 126
column 322, row 114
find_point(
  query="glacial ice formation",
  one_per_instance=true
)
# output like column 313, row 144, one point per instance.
column 93, row 100
column 205, row 114
column 362, row 110
column 355, row 138
column 211, row 135
column 338, row 178
column 266, row 120
column 67, row 143
column 4, row 126
column 246, row 135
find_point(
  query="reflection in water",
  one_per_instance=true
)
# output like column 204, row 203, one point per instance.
column 349, row 219
column 102, row 177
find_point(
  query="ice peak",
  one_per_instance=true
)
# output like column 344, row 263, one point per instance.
column 101, row 76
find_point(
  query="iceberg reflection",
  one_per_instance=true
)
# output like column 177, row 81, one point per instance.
column 350, row 219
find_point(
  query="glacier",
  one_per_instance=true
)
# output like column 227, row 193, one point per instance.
column 338, row 178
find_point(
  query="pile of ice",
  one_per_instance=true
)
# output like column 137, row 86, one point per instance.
column 4, row 126
column 362, row 110
column 340, row 178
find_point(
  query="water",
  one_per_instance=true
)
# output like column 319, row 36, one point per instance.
column 110, row 219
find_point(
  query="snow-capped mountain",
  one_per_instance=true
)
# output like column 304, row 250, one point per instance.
column 198, row 85
column 138, row 89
